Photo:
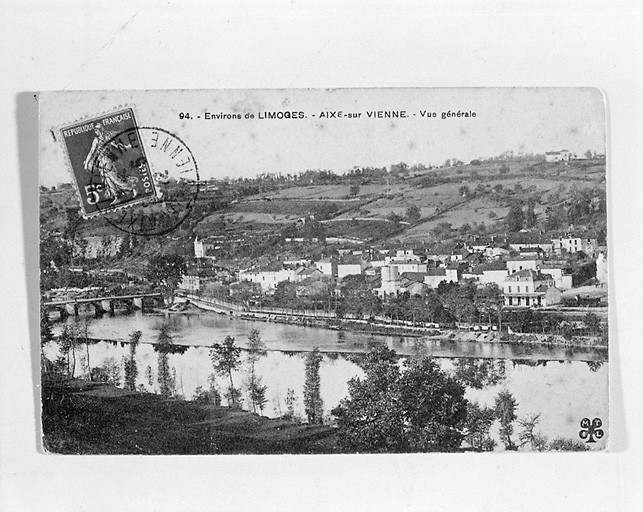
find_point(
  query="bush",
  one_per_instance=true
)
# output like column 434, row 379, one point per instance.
column 108, row 372
column 563, row 444
column 206, row 397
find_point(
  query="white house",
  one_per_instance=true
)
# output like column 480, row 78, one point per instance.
column 406, row 255
column 558, row 156
column 349, row 269
column 435, row 276
column 517, row 264
column 390, row 281
column 496, row 252
column 327, row 266
column 575, row 244
column 562, row 281
column 409, row 266
column 268, row 278
column 492, row 273
column 190, row 283
column 530, row 288
column 204, row 248
column 601, row 268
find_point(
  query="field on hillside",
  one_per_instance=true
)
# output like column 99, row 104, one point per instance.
column 295, row 208
column 487, row 198
column 460, row 195
column 259, row 218
column 333, row 192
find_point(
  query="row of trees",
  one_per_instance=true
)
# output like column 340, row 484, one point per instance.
column 226, row 358
column 455, row 302
column 462, row 302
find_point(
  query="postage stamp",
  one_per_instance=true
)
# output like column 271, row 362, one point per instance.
column 343, row 271
column 108, row 162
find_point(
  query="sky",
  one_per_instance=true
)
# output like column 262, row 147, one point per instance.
column 529, row 120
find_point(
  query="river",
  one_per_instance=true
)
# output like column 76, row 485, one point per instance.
column 563, row 385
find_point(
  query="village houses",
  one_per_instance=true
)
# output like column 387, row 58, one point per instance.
column 526, row 280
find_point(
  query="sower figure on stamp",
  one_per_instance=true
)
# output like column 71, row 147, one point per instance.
column 101, row 158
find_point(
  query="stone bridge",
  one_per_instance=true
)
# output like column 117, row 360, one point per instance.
column 102, row 305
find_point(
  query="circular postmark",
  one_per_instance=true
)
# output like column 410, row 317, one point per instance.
column 146, row 181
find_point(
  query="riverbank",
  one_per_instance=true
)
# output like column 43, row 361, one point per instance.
column 82, row 417
column 381, row 329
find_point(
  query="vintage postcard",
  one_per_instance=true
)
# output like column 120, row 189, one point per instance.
column 324, row 271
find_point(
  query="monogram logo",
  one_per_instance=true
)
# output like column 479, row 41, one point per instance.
column 591, row 430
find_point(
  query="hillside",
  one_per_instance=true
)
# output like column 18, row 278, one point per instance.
column 449, row 202
column 81, row 417
column 439, row 194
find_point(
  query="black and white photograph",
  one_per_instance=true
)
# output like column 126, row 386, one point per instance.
column 321, row 256
column 324, row 271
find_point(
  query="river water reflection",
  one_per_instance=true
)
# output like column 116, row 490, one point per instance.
column 564, row 386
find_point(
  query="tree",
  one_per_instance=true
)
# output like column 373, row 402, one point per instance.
column 225, row 358
column 257, row 394
column 413, row 213
column 313, row 404
column 504, row 169
column 81, row 332
column 256, row 350
column 515, row 218
column 291, row 401
column 465, row 228
column 67, row 341
column 478, row 424
column 555, row 217
column 164, row 347
column 464, row 191
column 442, row 230
column 505, row 411
column 286, row 294
column 131, row 370
column 418, row 409
column 165, row 272
column 488, row 301
column 593, row 323
column 530, row 214
column 358, row 298
column 210, row 396
column 400, row 168
column 149, row 375
column 527, row 435
column 354, row 190
column 478, row 373
column 46, row 335
column 394, row 217
column 459, row 301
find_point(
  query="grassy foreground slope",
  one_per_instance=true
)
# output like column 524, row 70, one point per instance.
column 82, row 417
